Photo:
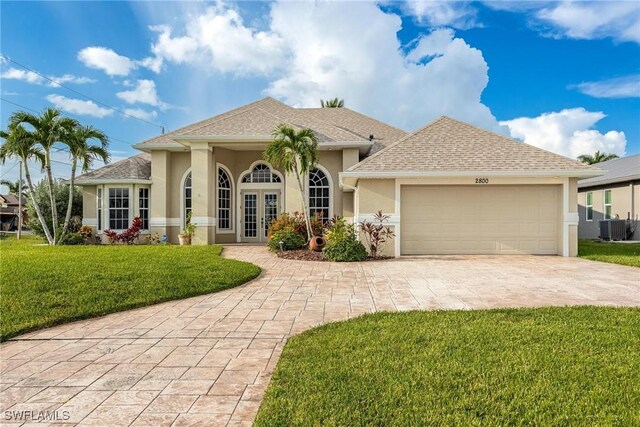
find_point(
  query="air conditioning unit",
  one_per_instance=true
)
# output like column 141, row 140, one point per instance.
column 613, row 229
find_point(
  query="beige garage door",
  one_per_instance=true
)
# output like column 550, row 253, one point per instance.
column 480, row 219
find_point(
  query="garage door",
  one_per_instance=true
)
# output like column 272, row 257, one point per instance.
column 480, row 219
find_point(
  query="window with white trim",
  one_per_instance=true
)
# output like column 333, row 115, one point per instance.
column 607, row 204
column 143, row 207
column 118, row 208
column 99, row 197
column 319, row 194
column 187, row 197
column 260, row 173
column 589, row 206
column 224, row 200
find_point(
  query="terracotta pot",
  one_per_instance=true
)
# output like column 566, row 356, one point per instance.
column 184, row 239
column 317, row 243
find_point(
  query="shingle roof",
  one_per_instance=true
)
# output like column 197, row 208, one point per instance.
column 261, row 117
column 137, row 167
column 12, row 199
column 616, row 170
column 450, row 145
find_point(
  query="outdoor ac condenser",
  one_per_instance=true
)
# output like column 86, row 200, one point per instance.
column 613, row 229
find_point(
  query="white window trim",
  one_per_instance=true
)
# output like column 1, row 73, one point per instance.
column 331, row 192
column 183, row 218
column 253, row 165
column 605, row 204
column 587, row 206
column 131, row 208
column 232, row 194
column 99, row 209
column 137, row 189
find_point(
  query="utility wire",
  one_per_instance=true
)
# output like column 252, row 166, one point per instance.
column 80, row 93
column 10, row 169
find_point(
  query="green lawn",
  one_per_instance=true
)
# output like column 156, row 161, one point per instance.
column 42, row 286
column 617, row 253
column 551, row 366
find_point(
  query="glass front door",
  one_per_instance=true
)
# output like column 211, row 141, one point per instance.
column 259, row 208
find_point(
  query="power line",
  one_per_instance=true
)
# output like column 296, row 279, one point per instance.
column 10, row 169
column 37, row 112
column 80, row 93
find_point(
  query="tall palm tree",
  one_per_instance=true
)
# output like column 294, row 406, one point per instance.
column 598, row 157
column 332, row 103
column 83, row 153
column 13, row 187
column 296, row 152
column 22, row 144
column 50, row 127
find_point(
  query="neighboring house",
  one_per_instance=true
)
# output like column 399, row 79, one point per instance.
column 449, row 187
column 9, row 209
column 616, row 194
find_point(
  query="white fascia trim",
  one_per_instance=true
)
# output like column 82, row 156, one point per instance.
column 163, row 147
column 113, row 181
column 576, row 173
column 204, row 221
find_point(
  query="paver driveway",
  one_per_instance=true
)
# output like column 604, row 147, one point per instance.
column 207, row 360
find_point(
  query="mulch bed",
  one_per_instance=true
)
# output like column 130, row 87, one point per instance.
column 307, row 255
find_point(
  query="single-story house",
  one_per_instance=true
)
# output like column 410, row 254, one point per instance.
column 450, row 188
column 614, row 195
column 9, row 210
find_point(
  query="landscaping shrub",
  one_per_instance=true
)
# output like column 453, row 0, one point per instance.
column 337, row 228
column 297, row 223
column 342, row 245
column 376, row 234
column 72, row 239
column 290, row 239
column 128, row 236
column 61, row 191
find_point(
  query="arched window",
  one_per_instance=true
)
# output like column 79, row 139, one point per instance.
column 187, row 197
column 260, row 173
column 224, row 200
column 319, row 189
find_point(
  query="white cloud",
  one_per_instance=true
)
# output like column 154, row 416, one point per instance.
column 144, row 93
column 437, row 13
column 107, row 60
column 621, row 87
column 78, row 106
column 69, row 78
column 619, row 20
column 568, row 132
column 141, row 114
column 35, row 78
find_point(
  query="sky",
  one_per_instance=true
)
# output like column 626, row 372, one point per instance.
column 563, row 76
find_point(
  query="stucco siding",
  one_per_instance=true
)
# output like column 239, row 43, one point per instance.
column 621, row 204
column 375, row 195
column 89, row 201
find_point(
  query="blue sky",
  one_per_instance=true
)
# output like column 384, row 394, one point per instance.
column 563, row 76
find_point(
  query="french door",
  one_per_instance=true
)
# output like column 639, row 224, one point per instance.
column 258, row 208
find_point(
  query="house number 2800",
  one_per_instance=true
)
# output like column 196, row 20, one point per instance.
column 482, row 180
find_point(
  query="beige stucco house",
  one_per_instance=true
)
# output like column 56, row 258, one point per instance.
column 449, row 187
column 616, row 194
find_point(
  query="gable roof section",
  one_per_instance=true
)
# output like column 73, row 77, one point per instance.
column 447, row 145
column 132, row 169
column 616, row 170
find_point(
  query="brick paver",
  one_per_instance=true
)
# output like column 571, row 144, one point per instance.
column 207, row 360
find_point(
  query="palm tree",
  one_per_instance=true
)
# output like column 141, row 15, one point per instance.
column 50, row 127
column 84, row 153
column 332, row 103
column 22, row 144
column 297, row 152
column 598, row 157
column 14, row 187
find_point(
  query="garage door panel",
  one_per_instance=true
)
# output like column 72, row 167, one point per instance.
column 479, row 219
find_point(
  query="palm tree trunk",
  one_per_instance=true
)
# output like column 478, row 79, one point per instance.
column 67, row 218
column 304, row 203
column 54, row 209
column 32, row 193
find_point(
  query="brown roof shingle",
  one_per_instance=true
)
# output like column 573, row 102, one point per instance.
column 450, row 145
column 137, row 167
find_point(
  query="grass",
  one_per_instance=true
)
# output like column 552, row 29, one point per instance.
column 617, row 253
column 42, row 286
column 551, row 366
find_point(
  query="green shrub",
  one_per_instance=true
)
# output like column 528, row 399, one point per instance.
column 72, row 239
column 337, row 228
column 290, row 239
column 345, row 249
column 61, row 191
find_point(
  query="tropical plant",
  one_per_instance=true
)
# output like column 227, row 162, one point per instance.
column 296, row 152
column 21, row 144
column 83, row 153
column 337, row 228
column 598, row 157
column 345, row 247
column 128, row 236
column 190, row 228
column 86, row 231
column 40, row 197
column 376, row 233
column 49, row 128
column 332, row 103
column 13, row 187
column 286, row 239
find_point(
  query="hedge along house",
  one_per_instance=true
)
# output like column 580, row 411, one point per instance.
column 450, row 187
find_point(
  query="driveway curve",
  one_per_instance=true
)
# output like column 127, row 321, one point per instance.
column 207, row 360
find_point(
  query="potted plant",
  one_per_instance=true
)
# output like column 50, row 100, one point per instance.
column 185, row 237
